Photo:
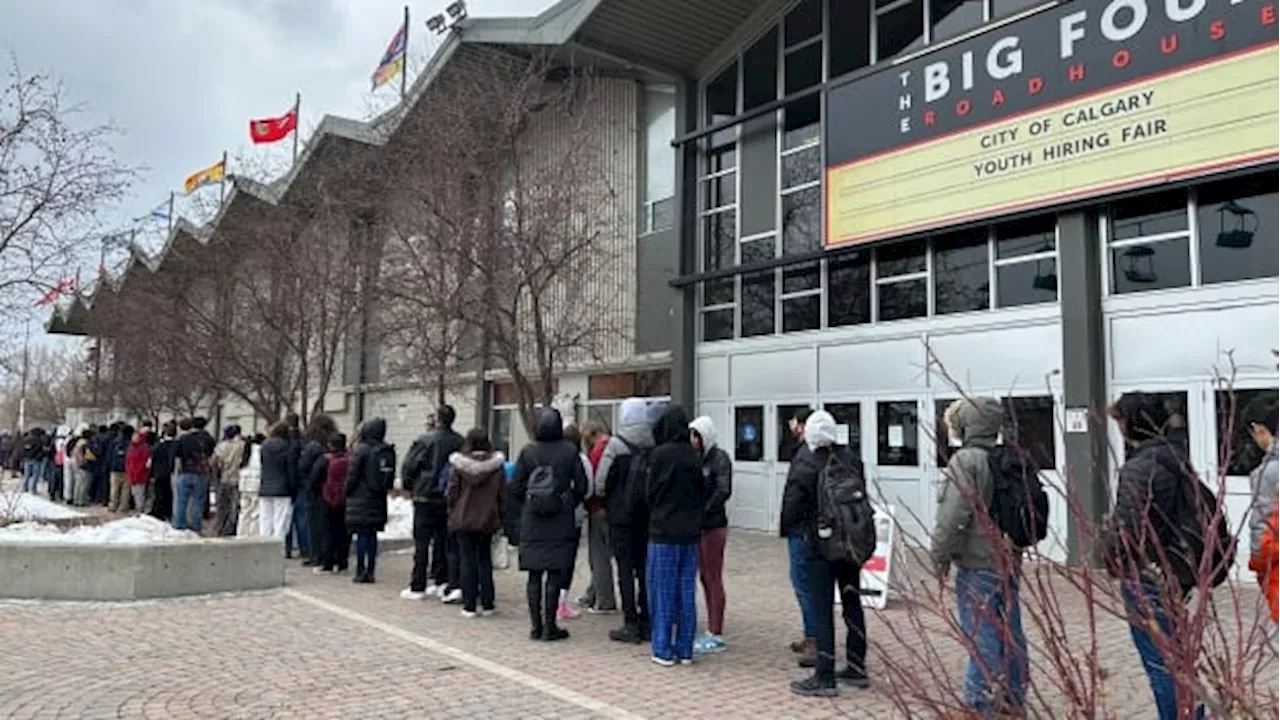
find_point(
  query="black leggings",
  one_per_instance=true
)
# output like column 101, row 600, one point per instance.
column 544, row 595
column 476, row 558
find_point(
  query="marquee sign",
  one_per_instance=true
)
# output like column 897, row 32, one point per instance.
column 1082, row 99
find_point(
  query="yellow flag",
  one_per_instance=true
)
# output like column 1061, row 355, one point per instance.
column 208, row 176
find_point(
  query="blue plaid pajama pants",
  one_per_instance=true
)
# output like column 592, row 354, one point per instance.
column 671, row 573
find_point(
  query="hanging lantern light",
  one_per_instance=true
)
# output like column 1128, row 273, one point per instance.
column 1240, row 234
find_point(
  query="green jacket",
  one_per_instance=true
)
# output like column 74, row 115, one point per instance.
column 958, row 537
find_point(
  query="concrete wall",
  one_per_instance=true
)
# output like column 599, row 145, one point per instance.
column 138, row 572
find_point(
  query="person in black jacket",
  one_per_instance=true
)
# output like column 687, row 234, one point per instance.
column 797, row 555
column 369, row 477
column 717, row 473
column 799, row 516
column 1155, row 482
column 162, row 472
column 547, row 541
column 298, row 521
column 677, row 502
column 277, row 489
column 319, row 430
column 433, row 546
column 619, row 480
column 118, row 448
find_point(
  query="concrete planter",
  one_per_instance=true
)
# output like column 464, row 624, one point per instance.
column 56, row 571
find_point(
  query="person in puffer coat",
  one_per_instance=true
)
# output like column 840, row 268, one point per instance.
column 628, row 519
column 1262, row 418
column 277, row 488
column 547, row 543
column 369, row 477
column 475, row 491
column 987, row 572
column 717, row 473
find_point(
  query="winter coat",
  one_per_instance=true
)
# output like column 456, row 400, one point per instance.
column 1266, row 563
column 1155, row 480
column 336, row 463
column 278, row 469
column 136, row 459
column 595, row 501
column 548, row 543
column 161, row 459
column 717, row 474
column 309, row 478
column 32, row 447
column 800, row 494
column 612, row 474
column 228, row 457
column 675, row 492
column 368, row 482
column 1263, row 482
column 959, row 538
column 476, row 487
column 427, row 456
column 116, row 453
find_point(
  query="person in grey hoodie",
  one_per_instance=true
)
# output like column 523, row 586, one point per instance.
column 1261, row 416
column 620, row 482
column 717, row 470
column 987, row 576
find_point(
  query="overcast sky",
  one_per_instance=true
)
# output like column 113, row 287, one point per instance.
column 183, row 77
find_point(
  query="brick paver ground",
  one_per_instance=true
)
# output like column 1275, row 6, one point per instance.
column 325, row 648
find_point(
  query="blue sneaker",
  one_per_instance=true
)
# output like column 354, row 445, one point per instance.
column 708, row 645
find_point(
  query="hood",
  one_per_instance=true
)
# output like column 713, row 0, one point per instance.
column 633, row 423
column 706, row 429
column 374, row 430
column 975, row 419
column 139, row 438
column 820, row 430
column 547, row 425
column 672, row 427
column 477, row 465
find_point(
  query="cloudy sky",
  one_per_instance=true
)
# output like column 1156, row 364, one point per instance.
column 183, row 77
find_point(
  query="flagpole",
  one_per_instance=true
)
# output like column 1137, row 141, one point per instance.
column 404, row 70
column 222, row 187
column 297, row 124
column 22, row 396
column 170, row 213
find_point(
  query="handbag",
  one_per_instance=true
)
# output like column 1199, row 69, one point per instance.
column 499, row 553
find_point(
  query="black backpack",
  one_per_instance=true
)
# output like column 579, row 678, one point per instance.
column 1019, row 504
column 382, row 468
column 544, row 495
column 1186, row 549
column 846, row 529
column 632, row 474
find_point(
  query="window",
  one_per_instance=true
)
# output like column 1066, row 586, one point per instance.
column 1029, row 427
column 802, row 220
column 760, row 71
column 954, row 17
column 942, row 445
column 848, row 415
column 501, row 430
column 603, row 414
column 801, row 167
column 1238, row 454
column 849, row 25
column 897, row 438
column 802, row 313
column 801, row 124
column 804, row 22
column 961, row 273
column 849, row 293
column 748, row 433
column 902, row 281
column 717, row 324
column 899, row 27
column 758, row 303
column 658, row 210
column 1026, row 262
column 788, row 443
column 1238, row 227
column 1150, row 243
column 719, row 236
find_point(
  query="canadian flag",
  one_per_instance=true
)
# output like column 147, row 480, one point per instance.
column 269, row 130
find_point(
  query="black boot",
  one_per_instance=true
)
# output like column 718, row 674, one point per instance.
column 554, row 633
column 853, row 677
column 627, row 634
column 813, row 687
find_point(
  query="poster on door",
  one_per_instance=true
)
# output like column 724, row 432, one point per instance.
column 876, row 570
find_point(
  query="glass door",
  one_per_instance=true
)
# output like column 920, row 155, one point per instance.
column 896, row 463
column 753, row 485
column 1235, row 454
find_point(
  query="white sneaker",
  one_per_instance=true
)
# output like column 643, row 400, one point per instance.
column 433, row 589
column 468, row 614
column 450, row 597
column 487, row 613
column 410, row 594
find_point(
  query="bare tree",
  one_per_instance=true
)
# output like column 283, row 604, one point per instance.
column 57, row 379
column 57, row 172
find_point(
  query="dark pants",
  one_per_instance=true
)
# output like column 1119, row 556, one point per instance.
column 453, row 561
column 543, row 592
column 337, row 542
column 630, row 549
column 824, row 577
column 227, row 510
column 55, row 484
column 475, row 556
column 317, row 528
column 299, row 532
column 101, row 488
column 366, row 550
column 430, row 541
column 162, row 505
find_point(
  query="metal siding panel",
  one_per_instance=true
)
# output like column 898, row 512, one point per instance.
column 759, row 176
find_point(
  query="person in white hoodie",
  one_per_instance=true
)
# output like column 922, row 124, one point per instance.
column 717, row 471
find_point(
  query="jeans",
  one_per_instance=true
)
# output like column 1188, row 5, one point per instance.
column 188, row 510
column 711, row 572
column 824, row 578
column 630, row 548
column 32, row 472
column 316, row 528
column 300, row 529
column 366, row 551
column 798, row 554
column 543, row 593
column 476, row 559
column 1145, row 604
column 139, row 494
column 430, row 541
column 991, row 618
column 600, row 593
column 672, row 574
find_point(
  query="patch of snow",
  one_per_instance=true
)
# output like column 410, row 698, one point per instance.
column 399, row 520
column 16, row 505
column 141, row 530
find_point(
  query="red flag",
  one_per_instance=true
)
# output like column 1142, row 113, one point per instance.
column 56, row 292
column 269, row 130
